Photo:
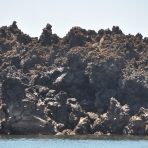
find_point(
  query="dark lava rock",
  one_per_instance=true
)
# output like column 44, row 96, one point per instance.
column 76, row 37
column 138, row 123
column 75, row 111
column 21, row 37
column 83, row 127
column 30, row 62
column 15, row 60
column 47, row 38
column 116, row 30
column 67, row 86
column 13, row 90
column 116, row 117
column 57, row 109
column 114, row 120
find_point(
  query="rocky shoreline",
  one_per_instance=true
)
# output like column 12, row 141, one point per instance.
column 84, row 83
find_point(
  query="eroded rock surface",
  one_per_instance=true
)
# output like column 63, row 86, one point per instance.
column 84, row 83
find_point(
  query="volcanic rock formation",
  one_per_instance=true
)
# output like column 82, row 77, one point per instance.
column 84, row 83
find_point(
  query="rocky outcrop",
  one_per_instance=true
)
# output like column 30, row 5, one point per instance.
column 138, row 124
column 83, row 127
column 114, row 120
column 84, row 83
column 47, row 38
column 23, row 114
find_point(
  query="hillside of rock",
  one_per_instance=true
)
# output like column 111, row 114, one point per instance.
column 84, row 83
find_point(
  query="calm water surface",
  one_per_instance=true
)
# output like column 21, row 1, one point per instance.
column 74, row 142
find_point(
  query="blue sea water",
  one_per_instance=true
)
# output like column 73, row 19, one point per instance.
column 48, row 142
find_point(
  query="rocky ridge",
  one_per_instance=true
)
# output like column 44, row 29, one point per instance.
column 84, row 83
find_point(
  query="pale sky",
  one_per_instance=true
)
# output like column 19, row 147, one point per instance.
column 33, row 15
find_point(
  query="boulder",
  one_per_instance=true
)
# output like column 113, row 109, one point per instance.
column 83, row 127
column 74, row 111
column 32, row 125
column 56, row 108
column 136, row 126
column 114, row 120
column 138, row 123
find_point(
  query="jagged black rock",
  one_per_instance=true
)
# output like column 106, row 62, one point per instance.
column 84, row 83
